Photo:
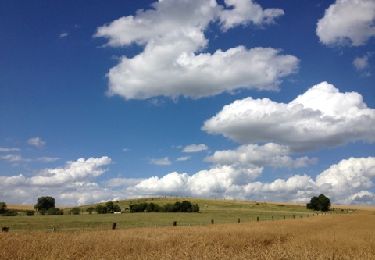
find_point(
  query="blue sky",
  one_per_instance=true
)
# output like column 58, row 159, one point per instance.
column 128, row 90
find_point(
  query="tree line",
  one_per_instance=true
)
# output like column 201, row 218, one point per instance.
column 184, row 206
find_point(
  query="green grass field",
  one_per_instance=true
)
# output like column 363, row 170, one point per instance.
column 222, row 211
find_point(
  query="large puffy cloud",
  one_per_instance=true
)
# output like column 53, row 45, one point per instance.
column 349, row 181
column 219, row 181
column 322, row 116
column 350, row 176
column 73, row 171
column 172, row 63
column 269, row 154
column 74, row 179
column 347, row 22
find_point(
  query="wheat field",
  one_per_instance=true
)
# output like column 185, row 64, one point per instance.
column 349, row 236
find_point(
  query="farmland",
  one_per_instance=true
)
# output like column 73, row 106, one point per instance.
column 151, row 235
column 348, row 236
column 221, row 211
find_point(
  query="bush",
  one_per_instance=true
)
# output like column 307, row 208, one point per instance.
column 10, row 213
column 320, row 203
column 75, row 211
column 30, row 212
column 54, row 211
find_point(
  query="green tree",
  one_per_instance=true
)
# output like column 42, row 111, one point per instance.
column 90, row 210
column 320, row 203
column 3, row 207
column 100, row 209
column 45, row 203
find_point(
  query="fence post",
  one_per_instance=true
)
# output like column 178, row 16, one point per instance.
column 238, row 220
column 294, row 216
column 284, row 216
column 114, row 225
column 174, row 223
column 212, row 221
column 272, row 217
column 258, row 219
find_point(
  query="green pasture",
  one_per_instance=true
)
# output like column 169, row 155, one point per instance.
column 221, row 211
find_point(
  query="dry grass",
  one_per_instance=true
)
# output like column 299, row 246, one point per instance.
column 321, row 237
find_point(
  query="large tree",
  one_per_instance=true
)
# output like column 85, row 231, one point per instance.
column 45, row 203
column 320, row 203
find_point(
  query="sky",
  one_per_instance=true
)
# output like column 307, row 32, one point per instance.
column 238, row 99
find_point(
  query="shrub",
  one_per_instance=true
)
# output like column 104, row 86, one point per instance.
column 10, row 213
column 75, row 211
column 30, row 212
column 54, row 211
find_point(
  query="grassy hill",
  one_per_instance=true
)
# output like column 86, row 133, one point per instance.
column 221, row 211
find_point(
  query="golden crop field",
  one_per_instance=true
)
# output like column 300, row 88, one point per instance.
column 346, row 236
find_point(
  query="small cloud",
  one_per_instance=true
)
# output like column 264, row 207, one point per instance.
column 9, row 149
column 183, row 158
column 161, row 161
column 63, row 35
column 193, row 148
column 125, row 149
column 361, row 63
column 47, row 159
column 36, row 142
column 13, row 158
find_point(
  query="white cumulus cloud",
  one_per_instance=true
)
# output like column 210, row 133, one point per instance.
column 269, row 154
column 242, row 12
column 73, row 171
column 322, row 116
column 70, row 184
column 349, row 176
column 349, row 181
column 347, row 22
column 173, row 62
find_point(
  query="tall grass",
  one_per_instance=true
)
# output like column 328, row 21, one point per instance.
column 320, row 237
